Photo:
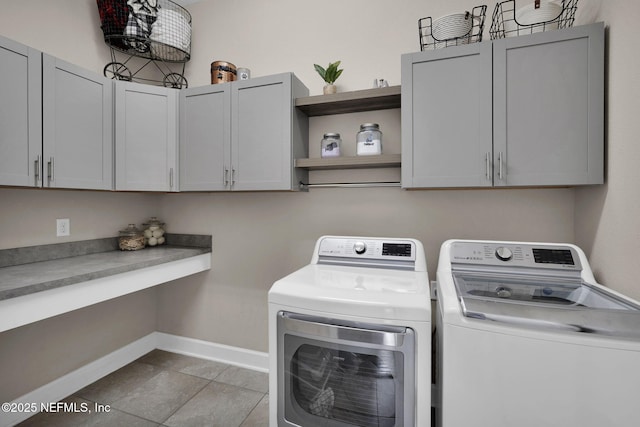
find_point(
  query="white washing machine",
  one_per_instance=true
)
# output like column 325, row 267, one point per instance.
column 526, row 337
column 350, row 336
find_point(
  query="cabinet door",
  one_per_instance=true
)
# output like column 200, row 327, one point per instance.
column 205, row 138
column 77, row 127
column 548, row 108
column 446, row 117
column 261, row 120
column 20, row 115
column 146, row 137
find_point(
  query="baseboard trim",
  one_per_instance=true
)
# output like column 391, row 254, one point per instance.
column 73, row 381
column 250, row 359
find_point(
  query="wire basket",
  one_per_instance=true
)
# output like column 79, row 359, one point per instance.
column 157, row 30
column 507, row 21
column 428, row 40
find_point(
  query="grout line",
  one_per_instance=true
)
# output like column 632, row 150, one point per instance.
column 188, row 400
column 252, row 409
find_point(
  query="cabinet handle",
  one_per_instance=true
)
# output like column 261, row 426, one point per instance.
column 50, row 169
column 36, row 167
column 233, row 176
column 226, row 176
column 171, row 178
column 500, row 175
column 487, row 164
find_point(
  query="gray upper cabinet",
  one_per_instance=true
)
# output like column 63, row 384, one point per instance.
column 20, row 115
column 267, row 133
column 55, row 122
column 243, row 135
column 145, row 137
column 548, row 111
column 64, row 127
column 521, row 111
column 205, row 138
column 77, row 109
column 446, row 117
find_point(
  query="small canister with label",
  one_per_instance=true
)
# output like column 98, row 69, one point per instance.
column 369, row 140
column 222, row 72
column 244, row 74
column 330, row 145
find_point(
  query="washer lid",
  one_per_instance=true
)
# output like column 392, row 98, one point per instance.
column 356, row 291
column 547, row 303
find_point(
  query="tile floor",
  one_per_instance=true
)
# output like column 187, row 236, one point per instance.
column 172, row 390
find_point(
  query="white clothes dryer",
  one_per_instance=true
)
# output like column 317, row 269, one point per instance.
column 526, row 337
column 350, row 336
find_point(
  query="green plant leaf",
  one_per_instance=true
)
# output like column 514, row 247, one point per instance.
column 332, row 73
column 320, row 71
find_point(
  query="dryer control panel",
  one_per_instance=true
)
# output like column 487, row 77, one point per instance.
column 370, row 251
column 542, row 256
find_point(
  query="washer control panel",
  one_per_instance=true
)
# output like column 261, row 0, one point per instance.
column 379, row 252
column 368, row 248
column 515, row 255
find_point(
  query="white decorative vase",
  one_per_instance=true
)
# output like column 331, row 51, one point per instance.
column 328, row 89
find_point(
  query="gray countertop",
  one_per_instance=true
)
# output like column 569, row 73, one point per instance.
column 25, row 271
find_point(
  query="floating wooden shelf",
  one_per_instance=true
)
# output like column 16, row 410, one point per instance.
column 359, row 162
column 350, row 102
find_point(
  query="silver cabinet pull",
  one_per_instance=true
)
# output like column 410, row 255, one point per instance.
column 50, row 169
column 171, row 178
column 233, row 176
column 487, row 164
column 226, row 177
column 500, row 174
column 36, row 167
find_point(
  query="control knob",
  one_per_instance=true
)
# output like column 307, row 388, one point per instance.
column 504, row 254
column 360, row 247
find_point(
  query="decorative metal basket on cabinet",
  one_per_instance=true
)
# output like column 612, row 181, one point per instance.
column 158, row 31
column 534, row 17
column 452, row 30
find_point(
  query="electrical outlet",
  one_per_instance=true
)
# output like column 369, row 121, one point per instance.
column 63, row 227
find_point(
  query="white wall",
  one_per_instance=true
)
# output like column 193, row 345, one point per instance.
column 608, row 217
column 28, row 216
column 368, row 36
column 259, row 237
column 67, row 29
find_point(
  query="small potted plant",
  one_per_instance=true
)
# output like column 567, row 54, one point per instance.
column 329, row 75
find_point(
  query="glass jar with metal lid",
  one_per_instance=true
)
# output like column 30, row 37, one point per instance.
column 131, row 238
column 331, row 145
column 369, row 140
column 154, row 232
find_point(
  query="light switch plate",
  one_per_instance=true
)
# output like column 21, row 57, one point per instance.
column 63, row 227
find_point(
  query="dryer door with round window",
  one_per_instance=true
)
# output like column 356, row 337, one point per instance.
column 333, row 373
